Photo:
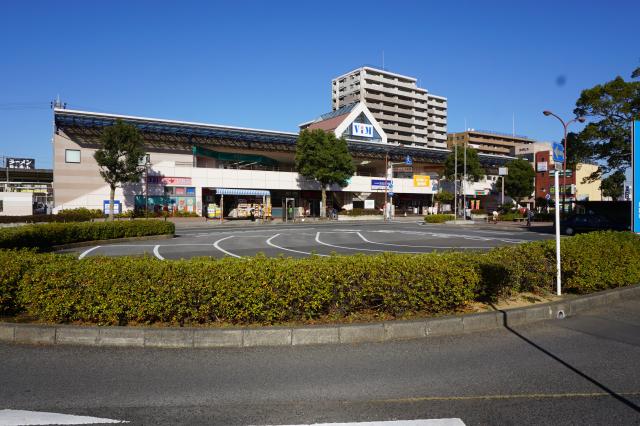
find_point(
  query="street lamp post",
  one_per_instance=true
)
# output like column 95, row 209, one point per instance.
column 564, row 163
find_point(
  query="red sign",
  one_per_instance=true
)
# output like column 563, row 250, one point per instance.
column 169, row 181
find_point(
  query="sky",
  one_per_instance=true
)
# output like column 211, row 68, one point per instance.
column 269, row 64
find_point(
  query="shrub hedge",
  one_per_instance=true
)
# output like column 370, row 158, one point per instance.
column 264, row 290
column 438, row 218
column 361, row 212
column 43, row 236
column 71, row 215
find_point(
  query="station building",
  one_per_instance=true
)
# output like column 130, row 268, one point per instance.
column 192, row 166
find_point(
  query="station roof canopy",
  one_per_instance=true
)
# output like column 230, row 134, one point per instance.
column 86, row 127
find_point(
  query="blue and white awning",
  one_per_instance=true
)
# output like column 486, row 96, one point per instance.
column 240, row 191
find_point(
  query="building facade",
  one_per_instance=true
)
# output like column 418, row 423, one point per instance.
column 194, row 166
column 490, row 142
column 409, row 115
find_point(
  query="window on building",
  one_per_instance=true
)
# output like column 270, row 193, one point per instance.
column 71, row 155
column 1, row 206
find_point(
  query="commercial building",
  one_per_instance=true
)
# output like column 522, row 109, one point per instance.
column 409, row 115
column 490, row 142
column 20, row 175
column 196, row 167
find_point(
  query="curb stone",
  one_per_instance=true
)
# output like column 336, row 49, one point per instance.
column 306, row 335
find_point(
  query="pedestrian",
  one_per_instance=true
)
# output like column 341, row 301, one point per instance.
column 495, row 216
column 529, row 217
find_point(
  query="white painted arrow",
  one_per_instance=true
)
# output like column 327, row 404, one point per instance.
column 23, row 417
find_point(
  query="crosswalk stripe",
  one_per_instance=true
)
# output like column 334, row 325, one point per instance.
column 27, row 418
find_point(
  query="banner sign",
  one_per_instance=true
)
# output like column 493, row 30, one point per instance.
column 169, row 181
column 635, row 179
column 421, row 180
column 21, row 163
column 361, row 129
column 381, row 184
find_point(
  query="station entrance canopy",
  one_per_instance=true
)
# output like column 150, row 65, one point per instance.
column 240, row 191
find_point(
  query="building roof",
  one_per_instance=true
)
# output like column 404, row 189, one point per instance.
column 330, row 120
column 86, row 126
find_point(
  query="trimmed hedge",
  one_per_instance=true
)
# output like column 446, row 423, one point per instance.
column 72, row 215
column 264, row 290
column 438, row 218
column 44, row 236
column 361, row 212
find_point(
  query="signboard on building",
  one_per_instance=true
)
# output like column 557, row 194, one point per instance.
column 542, row 166
column 361, row 129
column 117, row 207
column 169, row 181
column 369, row 204
column 422, row 180
column 381, row 184
column 20, row 163
column 635, row 185
column 503, row 171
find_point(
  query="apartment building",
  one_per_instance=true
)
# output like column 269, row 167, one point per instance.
column 409, row 114
column 490, row 142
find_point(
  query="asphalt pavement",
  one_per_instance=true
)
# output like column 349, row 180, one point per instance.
column 575, row 371
column 320, row 238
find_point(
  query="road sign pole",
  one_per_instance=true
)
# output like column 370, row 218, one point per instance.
column 558, row 271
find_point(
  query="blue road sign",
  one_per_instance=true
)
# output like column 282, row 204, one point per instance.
column 408, row 160
column 558, row 152
column 635, row 179
column 547, row 197
column 390, row 194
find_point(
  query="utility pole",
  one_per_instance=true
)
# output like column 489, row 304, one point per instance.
column 455, row 181
column 464, row 184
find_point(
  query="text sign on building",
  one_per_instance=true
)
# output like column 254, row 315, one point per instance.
column 542, row 166
column 169, row 181
column 361, row 129
column 422, row 180
column 21, row 163
column 381, row 184
column 503, row 171
column 635, row 186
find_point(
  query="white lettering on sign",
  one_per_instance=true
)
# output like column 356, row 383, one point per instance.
column 361, row 129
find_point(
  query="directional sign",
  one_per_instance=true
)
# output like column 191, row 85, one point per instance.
column 558, row 152
column 408, row 160
column 391, row 194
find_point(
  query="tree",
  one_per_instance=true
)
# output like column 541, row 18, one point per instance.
column 323, row 157
column 613, row 185
column 612, row 106
column 475, row 172
column 518, row 183
column 119, row 157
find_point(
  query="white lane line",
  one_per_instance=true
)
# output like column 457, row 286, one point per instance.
column 23, row 417
column 86, row 252
column 410, row 246
column 420, row 422
column 156, row 252
column 358, row 249
column 217, row 245
column 291, row 250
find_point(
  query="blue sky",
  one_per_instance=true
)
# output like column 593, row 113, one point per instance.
column 269, row 64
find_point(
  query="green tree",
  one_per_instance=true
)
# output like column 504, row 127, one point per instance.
column 613, row 185
column 475, row 172
column 518, row 183
column 326, row 159
column 611, row 107
column 119, row 157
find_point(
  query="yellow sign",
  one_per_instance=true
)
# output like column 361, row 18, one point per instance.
column 421, row 180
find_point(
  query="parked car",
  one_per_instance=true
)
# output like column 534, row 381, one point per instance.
column 589, row 222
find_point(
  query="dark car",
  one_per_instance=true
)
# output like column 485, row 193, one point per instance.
column 589, row 222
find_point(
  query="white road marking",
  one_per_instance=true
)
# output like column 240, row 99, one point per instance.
column 86, row 252
column 291, row 250
column 217, row 245
column 421, row 422
column 23, row 417
column 410, row 246
column 156, row 252
column 358, row 249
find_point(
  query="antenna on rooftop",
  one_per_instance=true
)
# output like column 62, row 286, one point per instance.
column 383, row 60
column 57, row 104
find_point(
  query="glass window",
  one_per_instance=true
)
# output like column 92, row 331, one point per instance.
column 71, row 155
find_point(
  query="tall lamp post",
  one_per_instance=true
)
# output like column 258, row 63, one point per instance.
column 564, row 163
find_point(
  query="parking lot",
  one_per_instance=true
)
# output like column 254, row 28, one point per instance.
column 322, row 239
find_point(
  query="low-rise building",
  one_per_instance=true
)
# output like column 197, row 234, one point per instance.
column 490, row 142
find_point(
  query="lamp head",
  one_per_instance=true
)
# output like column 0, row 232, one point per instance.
column 546, row 112
column 581, row 119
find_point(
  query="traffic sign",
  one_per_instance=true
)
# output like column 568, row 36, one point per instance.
column 408, row 160
column 547, row 197
column 558, row 152
column 390, row 194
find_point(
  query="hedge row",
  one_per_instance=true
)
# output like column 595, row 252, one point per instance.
column 266, row 290
column 71, row 215
column 44, row 236
column 438, row 218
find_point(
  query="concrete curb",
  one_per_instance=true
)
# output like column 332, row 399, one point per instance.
column 306, row 335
